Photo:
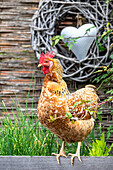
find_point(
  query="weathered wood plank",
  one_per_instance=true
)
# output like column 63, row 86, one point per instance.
column 15, row 39
column 30, row 1
column 50, row 163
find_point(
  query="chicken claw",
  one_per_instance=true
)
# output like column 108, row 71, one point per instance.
column 58, row 156
column 76, row 155
column 73, row 156
column 62, row 153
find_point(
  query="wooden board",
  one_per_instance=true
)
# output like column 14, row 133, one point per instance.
column 50, row 163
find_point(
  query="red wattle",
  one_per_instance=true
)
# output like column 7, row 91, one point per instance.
column 45, row 70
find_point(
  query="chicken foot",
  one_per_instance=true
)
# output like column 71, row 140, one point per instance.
column 62, row 153
column 76, row 155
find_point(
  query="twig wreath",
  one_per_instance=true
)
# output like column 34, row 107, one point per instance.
column 53, row 15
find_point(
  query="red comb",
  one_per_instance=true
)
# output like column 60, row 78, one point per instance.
column 46, row 55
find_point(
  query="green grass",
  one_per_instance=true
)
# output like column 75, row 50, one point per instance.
column 99, row 147
column 26, row 136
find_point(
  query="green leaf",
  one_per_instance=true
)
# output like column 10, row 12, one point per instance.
column 108, row 135
column 66, row 44
column 55, row 115
column 110, row 91
column 57, row 37
column 69, row 115
column 104, row 33
column 106, row 37
column 99, row 113
column 53, row 44
column 109, row 127
column 75, row 104
column 97, row 40
column 72, row 121
column 51, row 119
column 53, row 38
column 104, row 76
column 100, row 118
column 107, row 25
column 56, row 41
column 71, row 45
column 89, row 30
column 102, row 48
column 107, row 1
column 111, row 56
column 111, row 112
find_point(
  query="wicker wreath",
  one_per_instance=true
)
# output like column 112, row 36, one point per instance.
column 54, row 15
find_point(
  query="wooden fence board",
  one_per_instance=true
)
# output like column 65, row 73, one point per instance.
column 50, row 163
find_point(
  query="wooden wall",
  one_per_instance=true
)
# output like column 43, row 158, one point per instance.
column 17, row 59
column 18, row 66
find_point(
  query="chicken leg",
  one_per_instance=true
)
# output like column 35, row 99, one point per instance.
column 75, row 155
column 62, row 153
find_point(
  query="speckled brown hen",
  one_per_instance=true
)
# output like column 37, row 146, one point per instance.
column 55, row 101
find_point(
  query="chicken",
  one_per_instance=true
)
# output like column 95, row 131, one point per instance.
column 71, row 119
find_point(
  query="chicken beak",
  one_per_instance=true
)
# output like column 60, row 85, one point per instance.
column 39, row 65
